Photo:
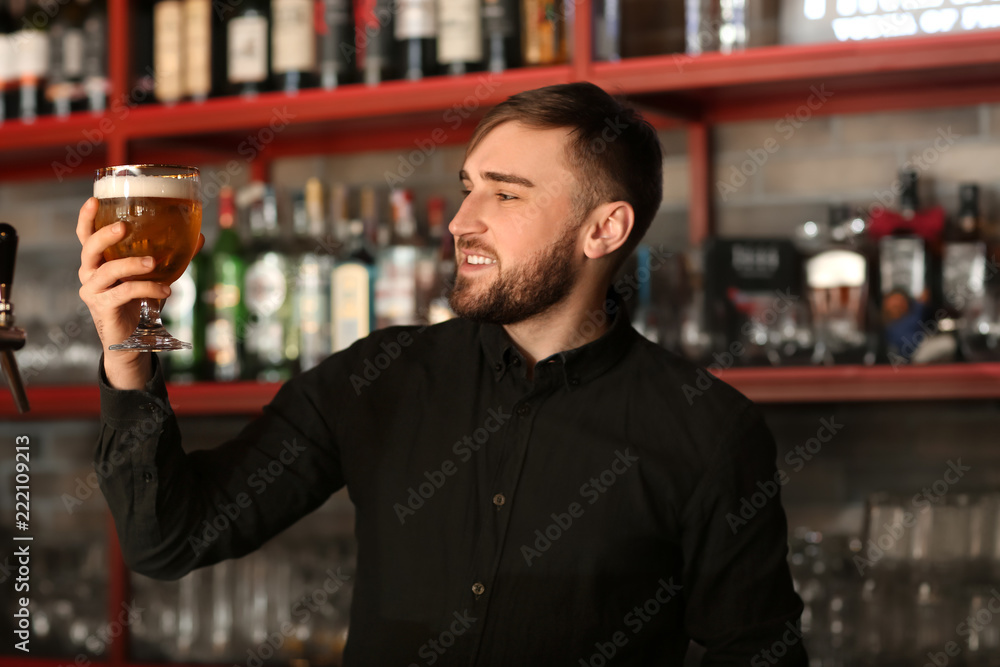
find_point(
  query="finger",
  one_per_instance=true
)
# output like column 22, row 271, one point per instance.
column 92, row 255
column 107, row 274
column 126, row 292
column 85, row 221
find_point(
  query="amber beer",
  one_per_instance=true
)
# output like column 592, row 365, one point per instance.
column 162, row 217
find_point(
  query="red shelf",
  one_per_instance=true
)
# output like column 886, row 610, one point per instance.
column 866, row 383
column 198, row 399
column 764, row 385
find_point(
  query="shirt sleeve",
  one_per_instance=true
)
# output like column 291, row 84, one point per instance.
column 177, row 511
column 740, row 603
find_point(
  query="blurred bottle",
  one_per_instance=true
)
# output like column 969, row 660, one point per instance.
column 905, row 270
column 376, row 20
column 335, row 32
column 607, row 17
column 95, row 55
column 169, row 50
column 438, row 236
column 64, row 87
column 8, row 65
column 224, row 297
column 460, row 43
column 184, row 317
column 544, row 32
column 205, row 55
column 501, row 30
column 313, row 269
column 353, row 281
column 144, row 73
column 293, row 45
column 415, row 28
column 247, row 33
column 968, row 293
column 271, row 350
column 31, row 45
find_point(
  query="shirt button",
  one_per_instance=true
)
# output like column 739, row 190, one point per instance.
column 574, row 381
column 523, row 409
column 516, row 361
column 478, row 589
column 147, row 477
column 498, row 367
column 499, row 500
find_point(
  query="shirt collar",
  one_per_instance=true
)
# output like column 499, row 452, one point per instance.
column 573, row 367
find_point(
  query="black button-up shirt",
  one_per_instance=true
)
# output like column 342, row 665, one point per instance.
column 595, row 514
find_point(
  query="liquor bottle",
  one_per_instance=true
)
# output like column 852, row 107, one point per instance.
column 415, row 28
column 226, row 312
column 201, row 38
column 293, row 45
column 904, row 270
column 144, row 74
column 460, row 42
column 335, row 32
column 376, row 19
column 965, row 283
column 169, row 46
column 271, row 350
column 837, row 279
column 544, row 32
column 352, row 293
column 183, row 316
column 64, row 87
column 31, row 47
column 502, row 34
column 340, row 218
column 247, row 32
column 438, row 236
column 95, row 55
column 313, row 269
column 405, row 271
column 607, row 30
column 8, row 67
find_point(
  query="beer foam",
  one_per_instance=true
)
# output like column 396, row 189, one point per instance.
column 130, row 185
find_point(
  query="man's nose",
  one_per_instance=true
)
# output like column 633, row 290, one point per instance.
column 468, row 218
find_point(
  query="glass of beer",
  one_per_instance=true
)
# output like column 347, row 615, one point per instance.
column 160, row 206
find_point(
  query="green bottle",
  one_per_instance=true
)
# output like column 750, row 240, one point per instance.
column 224, row 297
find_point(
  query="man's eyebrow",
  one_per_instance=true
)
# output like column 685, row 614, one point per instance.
column 499, row 177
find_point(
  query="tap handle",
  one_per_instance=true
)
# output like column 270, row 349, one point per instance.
column 8, row 252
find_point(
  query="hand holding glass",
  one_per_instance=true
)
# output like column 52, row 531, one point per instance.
column 160, row 206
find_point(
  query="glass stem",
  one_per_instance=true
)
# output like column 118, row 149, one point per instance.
column 149, row 314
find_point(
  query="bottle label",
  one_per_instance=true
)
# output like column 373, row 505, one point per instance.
column 198, row 38
column 351, row 303
column 168, row 31
column 396, row 287
column 902, row 265
column 32, row 55
column 461, row 37
column 416, row 19
column 312, row 303
column 73, row 48
column 964, row 275
column 293, row 36
column 247, row 49
column 8, row 69
column 266, row 287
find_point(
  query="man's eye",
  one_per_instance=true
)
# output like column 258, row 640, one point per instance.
column 465, row 193
column 505, row 197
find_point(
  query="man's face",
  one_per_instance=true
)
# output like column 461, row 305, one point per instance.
column 515, row 234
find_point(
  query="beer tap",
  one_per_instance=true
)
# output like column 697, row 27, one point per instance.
column 11, row 338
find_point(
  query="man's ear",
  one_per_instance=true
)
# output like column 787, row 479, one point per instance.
column 608, row 228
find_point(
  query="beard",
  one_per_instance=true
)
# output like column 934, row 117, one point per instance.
column 516, row 294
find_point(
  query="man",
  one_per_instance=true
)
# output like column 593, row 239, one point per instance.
column 532, row 486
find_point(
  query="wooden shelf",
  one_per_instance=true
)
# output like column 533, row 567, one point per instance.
column 803, row 384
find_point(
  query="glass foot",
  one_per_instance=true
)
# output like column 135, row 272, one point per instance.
column 151, row 339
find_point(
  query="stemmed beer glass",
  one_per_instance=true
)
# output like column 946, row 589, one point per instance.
column 160, row 206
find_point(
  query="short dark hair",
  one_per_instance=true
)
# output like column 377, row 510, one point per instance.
column 614, row 151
